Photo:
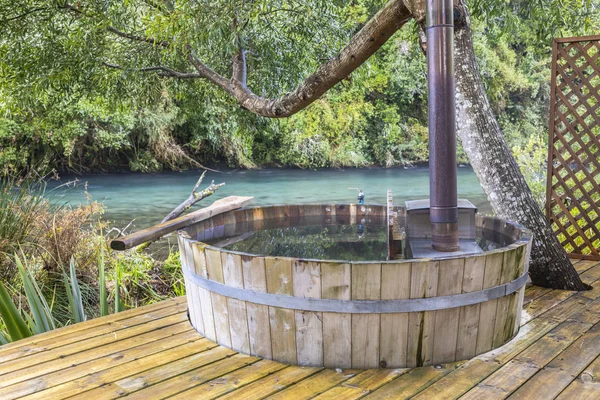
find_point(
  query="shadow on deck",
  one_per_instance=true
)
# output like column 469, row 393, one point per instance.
column 153, row 352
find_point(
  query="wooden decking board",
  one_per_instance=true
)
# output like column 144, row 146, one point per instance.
column 361, row 384
column 544, row 303
column 157, row 354
column 517, row 371
column 62, row 335
column 586, row 386
column 314, row 385
column 583, row 265
column 80, row 352
column 533, row 292
column 76, row 371
column 232, row 381
column 137, row 366
column 560, row 372
column 49, row 351
column 413, row 382
column 159, row 372
column 272, row 384
column 173, row 386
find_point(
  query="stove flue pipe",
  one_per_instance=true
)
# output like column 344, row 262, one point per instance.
column 442, row 120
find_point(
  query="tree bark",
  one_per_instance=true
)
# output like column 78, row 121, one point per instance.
column 497, row 170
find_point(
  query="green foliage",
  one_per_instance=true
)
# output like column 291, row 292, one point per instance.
column 63, row 107
column 41, row 319
column 118, row 303
column 102, row 283
column 74, row 293
column 21, row 203
column 11, row 317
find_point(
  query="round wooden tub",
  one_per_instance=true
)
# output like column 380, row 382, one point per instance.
column 342, row 314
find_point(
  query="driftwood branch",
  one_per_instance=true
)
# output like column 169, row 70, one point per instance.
column 155, row 232
column 193, row 198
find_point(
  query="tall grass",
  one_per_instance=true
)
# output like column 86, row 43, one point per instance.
column 102, row 279
column 46, row 234
column 21, row 204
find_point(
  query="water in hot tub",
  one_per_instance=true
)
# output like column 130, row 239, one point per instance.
column 310, row 238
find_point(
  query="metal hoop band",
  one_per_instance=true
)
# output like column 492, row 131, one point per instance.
column 357, row 306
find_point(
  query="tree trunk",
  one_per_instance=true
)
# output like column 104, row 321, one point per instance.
column 497, row 169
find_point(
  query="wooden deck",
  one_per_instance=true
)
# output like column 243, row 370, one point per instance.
column 152, row 352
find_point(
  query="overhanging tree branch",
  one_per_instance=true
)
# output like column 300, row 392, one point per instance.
column 23, row 15
column 151, row 40
column 362, row 45
column 163, row 71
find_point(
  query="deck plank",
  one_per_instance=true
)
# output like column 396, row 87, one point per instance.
column 516, row 372
column 560, row 372
column 62, row 337
column 138, row 366
column 272, row 384
column 314, row 385
column 220, row 360
column 532, row 292
column 76, row 354
column 361, row 384
column 75, row 371
column 76, row 329
column 412, row 382
column 586, row 386
column 230, row 382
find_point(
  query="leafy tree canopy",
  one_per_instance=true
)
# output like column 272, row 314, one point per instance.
column 77, row 91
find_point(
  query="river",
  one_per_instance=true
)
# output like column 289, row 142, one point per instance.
column 147, row 198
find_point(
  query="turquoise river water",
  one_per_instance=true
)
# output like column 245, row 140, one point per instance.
column 147, row 198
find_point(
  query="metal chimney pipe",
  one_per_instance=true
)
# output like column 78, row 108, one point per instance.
column 442, row 120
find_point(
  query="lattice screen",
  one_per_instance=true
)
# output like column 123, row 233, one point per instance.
column 573, row 190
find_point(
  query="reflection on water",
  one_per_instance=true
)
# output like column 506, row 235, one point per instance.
column 360, row 242
column 316, row 238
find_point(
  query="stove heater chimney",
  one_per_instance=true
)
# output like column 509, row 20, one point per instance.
column 442, row 120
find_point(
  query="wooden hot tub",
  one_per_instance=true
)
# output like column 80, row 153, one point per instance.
column 343, row 314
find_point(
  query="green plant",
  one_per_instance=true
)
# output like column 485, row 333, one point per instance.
column 13, row 320
column 21, row 204
column 102, row 279
column 41, row 319
column 119, row 306
column 74, row 293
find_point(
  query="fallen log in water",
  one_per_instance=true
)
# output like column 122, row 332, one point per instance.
column 157, row 231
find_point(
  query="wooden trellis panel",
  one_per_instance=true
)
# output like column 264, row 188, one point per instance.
column 573, row 184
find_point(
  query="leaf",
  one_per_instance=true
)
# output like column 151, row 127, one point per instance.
column 102, row 278
column 16, row 326
column 118, row 305
column 3, row 338
column 74, row 294
column 37, row 303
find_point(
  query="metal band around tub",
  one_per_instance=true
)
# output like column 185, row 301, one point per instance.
column 357, row 306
